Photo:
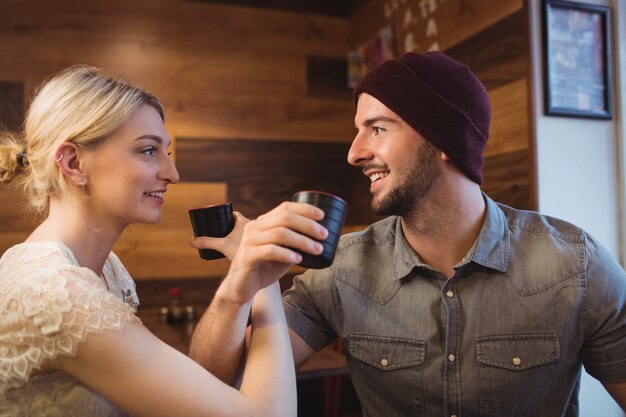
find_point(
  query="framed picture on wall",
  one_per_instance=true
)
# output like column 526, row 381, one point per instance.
column 577, row 59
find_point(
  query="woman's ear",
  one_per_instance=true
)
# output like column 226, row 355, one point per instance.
column 445, row 157
column 68, row 161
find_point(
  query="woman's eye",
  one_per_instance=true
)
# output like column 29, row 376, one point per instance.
column 149, row 151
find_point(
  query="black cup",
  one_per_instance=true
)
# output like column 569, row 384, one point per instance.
column 213, row 221
column 335, row 210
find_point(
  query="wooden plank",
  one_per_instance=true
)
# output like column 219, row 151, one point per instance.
column 261, row 174
column 454, row 20
column 263, row 117
column 8, row 239
column 162, row 250
column 242, row 76
column 14, row 215
column 11, row 105
column 507, row 179
column 188, row 25
column 497, row 55
column 152, row 253
column 323, row 7
column 327, row 77
column 509, row 130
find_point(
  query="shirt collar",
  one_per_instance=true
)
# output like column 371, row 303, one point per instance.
column 494, row 240
column 490, row 249
column 404, row 257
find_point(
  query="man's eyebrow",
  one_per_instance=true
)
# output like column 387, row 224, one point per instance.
column 374, row 120
column 154, row 137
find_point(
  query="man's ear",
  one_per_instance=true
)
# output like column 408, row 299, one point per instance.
column 444, row 156
column 68, row 160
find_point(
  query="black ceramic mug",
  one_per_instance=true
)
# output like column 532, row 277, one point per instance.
column 335, row 210
column 213, row 221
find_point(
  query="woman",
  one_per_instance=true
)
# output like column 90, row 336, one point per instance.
column 94, row 158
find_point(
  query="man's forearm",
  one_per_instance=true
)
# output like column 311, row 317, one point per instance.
column 218, row 342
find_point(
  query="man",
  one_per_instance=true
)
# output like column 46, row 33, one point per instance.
column 453, row 305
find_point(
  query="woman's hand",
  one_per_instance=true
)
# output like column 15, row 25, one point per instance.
column 266, row 252
column 227, row 245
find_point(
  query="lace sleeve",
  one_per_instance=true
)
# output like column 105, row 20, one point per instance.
column 48, row 313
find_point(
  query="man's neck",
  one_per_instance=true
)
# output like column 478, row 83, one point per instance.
column 445, row 225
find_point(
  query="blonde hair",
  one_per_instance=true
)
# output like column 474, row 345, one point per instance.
column 82, row 105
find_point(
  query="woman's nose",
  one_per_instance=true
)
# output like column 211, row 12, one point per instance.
column 168, row 171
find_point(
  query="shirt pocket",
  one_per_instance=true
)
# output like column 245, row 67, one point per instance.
column 389, row 371
column 516, row 371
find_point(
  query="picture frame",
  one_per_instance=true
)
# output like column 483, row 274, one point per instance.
column 577, row 59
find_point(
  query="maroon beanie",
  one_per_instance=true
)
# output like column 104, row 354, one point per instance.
column 441, row 99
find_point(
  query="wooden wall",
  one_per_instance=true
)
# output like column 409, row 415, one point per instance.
column 222, row 72
column 254, row 99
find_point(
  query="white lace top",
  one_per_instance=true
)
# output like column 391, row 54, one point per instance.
column 48, row 305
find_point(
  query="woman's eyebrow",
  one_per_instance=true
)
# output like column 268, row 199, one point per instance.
column 154, row 137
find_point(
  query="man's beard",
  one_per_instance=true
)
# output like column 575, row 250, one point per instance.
column 403, row 199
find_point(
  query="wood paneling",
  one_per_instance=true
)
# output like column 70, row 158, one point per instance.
column 261, row 174
column 11, row 105
column 161, row 250
column 221, row 71
column 327, row 77
column 499, row 54
column 507, row 179
column 454, row 20
column 339, row 8
column 14, row 215
column 509, row 130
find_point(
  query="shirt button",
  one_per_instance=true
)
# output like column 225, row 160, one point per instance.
column 517, row 361
column 384, row 362
column 451, row 358
column 450, row 294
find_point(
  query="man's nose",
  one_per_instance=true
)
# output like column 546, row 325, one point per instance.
column 360, row 151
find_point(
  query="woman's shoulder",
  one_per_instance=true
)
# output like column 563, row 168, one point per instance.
column 50, row 304
column 36, row 253
column 30, row 263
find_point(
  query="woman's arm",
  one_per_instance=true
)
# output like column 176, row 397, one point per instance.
column 218, row 343
column 146, row 377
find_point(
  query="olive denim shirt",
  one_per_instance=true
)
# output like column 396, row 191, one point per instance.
column 506, row 336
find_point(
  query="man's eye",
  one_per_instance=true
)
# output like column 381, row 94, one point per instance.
column 378, row 130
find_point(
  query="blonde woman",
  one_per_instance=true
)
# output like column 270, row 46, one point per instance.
column 93, row 159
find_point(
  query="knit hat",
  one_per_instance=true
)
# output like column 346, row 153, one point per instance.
column 441, row 99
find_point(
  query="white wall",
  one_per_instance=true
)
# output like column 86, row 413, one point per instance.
column 579, row 180
column 620, row 74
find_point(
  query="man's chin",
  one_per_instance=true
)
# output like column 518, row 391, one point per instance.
column 380, row 209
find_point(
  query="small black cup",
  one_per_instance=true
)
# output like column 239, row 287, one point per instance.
column 213, row 221
column 335, row 210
